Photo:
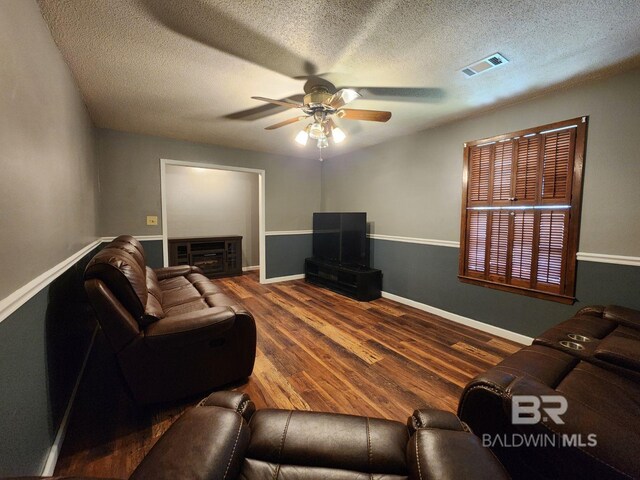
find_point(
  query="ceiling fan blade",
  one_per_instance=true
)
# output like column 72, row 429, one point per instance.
column 369, row 115
column 342, row 97
column 278, row 102
column 286, row 122
column 263, row 110
column 402, row 94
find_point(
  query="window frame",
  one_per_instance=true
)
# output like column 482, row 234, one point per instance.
column 568, row 280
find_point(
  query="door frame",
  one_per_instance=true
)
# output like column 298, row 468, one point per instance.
column 261, row 205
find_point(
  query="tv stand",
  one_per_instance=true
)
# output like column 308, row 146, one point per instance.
column 361, row 283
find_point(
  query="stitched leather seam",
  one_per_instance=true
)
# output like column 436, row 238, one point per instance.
column 485, row 386
column 235, row 444
column 243, row 406
column 522, row 374
column 369, row 451
column 284, row 436
column 418, row 457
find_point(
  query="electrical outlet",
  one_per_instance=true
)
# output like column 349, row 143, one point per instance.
column 152, row 220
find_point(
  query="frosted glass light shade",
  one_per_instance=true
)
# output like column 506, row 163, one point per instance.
column 302, row 137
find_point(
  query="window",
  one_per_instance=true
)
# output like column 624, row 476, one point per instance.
column 521, row 210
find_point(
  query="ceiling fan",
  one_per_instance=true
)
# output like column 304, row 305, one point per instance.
column 320, row 105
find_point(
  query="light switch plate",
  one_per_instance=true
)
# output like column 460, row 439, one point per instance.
column 152, row 220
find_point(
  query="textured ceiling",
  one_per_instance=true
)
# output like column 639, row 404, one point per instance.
column 187, row 69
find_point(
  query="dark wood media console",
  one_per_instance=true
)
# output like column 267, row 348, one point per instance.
column 216, row 256
column 363, row 284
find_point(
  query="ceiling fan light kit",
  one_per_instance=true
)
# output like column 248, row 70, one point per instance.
column 320, row 105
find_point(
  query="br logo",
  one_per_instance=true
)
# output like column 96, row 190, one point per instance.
column 529, row 409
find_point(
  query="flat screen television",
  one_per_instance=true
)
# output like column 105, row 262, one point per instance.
column 341, row 237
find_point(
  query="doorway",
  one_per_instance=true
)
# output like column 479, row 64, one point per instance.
column 203, row 200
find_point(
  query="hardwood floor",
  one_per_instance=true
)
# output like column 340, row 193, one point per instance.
column 317, row 350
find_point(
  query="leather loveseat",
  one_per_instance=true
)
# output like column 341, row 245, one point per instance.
column 592, row 361
column 173, row 331
column 225, row 438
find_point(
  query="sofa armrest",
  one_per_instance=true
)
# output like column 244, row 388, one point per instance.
column 238, row 401
column 622, row 315
column 432, row 418
column 434, row 453
column 204, row 443
column 188, row 328
column 176, row 271
column 615, row 313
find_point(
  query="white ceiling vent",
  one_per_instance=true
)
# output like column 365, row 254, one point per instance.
column 484, row 65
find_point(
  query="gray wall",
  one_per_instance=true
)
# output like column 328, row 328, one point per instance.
column 412, row 187
column 129, row 166
column 47, row 185
column 204, row 203
column 47, row 213
column 428, row 274
column 286, row 254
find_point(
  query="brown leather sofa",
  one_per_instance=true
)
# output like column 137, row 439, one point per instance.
column 593, row 361
column 226, row 438
column 173, row 331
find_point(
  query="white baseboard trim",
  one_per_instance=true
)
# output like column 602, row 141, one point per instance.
column 54, row 451
column 253, row 267
column 420, row 241
column 606, row 258
column 289, row 232
column 454, row 317
column 288, row 278
column 14, row 301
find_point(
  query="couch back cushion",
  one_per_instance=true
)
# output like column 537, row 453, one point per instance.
column 122, row 275
column 132, row 246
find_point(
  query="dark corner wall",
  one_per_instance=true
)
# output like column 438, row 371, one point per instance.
column 49, row 206
column 412, row 187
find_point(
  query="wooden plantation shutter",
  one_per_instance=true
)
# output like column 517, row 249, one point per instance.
column 521, row 210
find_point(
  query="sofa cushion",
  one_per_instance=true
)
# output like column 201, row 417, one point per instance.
column 173, row 282
column 620, row 350
column 153, row 286
column 152, row 312
column 193, row 306
column 343, row 442
column 122, row 274
column 180, row 295
column 131, row 249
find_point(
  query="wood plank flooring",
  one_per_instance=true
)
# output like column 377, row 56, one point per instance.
column 317, row 350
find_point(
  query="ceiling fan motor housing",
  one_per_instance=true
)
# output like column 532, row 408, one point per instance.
column 318, row 99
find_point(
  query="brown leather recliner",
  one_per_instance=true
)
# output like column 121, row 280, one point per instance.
column 225, row 438
column 593, row 362
column 173, row 331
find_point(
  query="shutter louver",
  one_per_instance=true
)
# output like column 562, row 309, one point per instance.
column 521, row 210
column 503, row 159
column 551, row 247
column 479, row 174
column 477, row 241
column 499, row 243
column 555, row 166
column 521, row 257
column 527, row 168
